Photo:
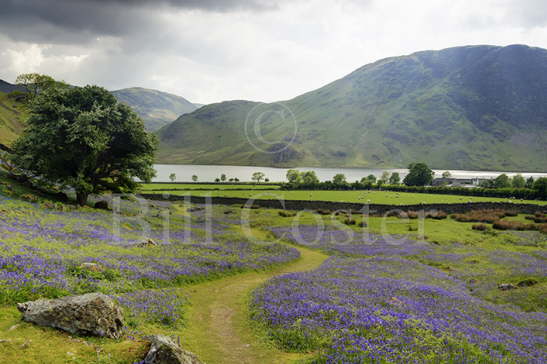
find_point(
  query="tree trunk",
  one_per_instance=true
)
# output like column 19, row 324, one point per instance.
column 81, row 198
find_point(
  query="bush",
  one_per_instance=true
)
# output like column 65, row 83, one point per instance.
column 349, row 222
column 284, row 213
column 480, row 227
column 437, row 215
column 324, row 212
column 513, row 225
column 488, row 216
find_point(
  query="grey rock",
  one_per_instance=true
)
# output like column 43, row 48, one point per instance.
column 163, row 350
column 93, row 314
column 506, row 286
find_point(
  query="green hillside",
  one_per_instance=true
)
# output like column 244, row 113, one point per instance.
column 12, row 118
column 475, row 107
column 156, row 108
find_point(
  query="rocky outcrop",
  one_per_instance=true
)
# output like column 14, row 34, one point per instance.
column 163, row 350
column 93, row 314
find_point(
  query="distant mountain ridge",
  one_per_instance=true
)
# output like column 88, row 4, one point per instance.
column 156, row 108
column 471, row 107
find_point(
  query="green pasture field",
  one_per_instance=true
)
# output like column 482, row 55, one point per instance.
column 372, row 197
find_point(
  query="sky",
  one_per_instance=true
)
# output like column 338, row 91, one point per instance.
column 214, row 50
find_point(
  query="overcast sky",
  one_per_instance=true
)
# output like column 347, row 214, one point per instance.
column 215, row 50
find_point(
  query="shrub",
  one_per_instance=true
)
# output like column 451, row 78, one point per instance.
column 488, row 216
column 513, row 225
column 362, row 224
column 480, row 227
column 349, row 221
column 284, row 213
column 324, row 212
column 437, row 215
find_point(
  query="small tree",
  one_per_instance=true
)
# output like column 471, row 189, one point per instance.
column 370, row 179
column 294, row 176
column 223, row 177
column 231, row 179
column 217, row 179
column 530, row 182
column 339, row 179
column 81, row 137
column 194, row 178
column 236, row 179
column 35, row 83
column 395, row 179
column 447, row 174
column 309, row 178
column 172, row 177
column 258, row 176
column 502, row 181
column 518, row 181
column 266, row 180
column 540, row 185
column 385, row 177
column 419, row 174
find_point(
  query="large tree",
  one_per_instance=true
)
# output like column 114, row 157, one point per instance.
column 84, row 139
column 419, row 174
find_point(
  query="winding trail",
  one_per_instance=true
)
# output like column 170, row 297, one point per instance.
column 218, row 329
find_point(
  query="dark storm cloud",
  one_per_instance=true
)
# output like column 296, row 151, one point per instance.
column 77, row 21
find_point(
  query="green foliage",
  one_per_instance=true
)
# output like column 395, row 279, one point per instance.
column 502, row 181
column 518, row 181
column 258, row 176
column 446, row 174
column 172, row 177
column 339, row 179
column 530, row 182
column 223, row 177
column 370, row 179
column 35, row 83
column 395, row 179
column 540, row 186
column 419, row 174
column 85, row 139
column 194, row 178
column 294, row 176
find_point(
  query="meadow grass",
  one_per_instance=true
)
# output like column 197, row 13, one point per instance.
column 372, row 197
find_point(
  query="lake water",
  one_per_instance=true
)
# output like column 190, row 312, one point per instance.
column 208, row 173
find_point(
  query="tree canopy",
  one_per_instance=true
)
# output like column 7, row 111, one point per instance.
column 83, row 138
column 419, row 174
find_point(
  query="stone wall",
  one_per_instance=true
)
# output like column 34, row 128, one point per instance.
column 373, row 209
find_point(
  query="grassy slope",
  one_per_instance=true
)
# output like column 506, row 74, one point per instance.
column 12, row 118
column 156, row 108
column 374, row 197
column 430, row 106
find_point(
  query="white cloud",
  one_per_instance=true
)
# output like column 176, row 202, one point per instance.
column 267, row 55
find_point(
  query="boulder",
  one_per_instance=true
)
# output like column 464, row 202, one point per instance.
column 146, row 243
column 93, row 314
column 506, row 286
column 103, row 205
column 163, row 350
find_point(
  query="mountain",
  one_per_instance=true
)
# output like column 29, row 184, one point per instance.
column 7, row 87
column 156, row 108
column 472, row 107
